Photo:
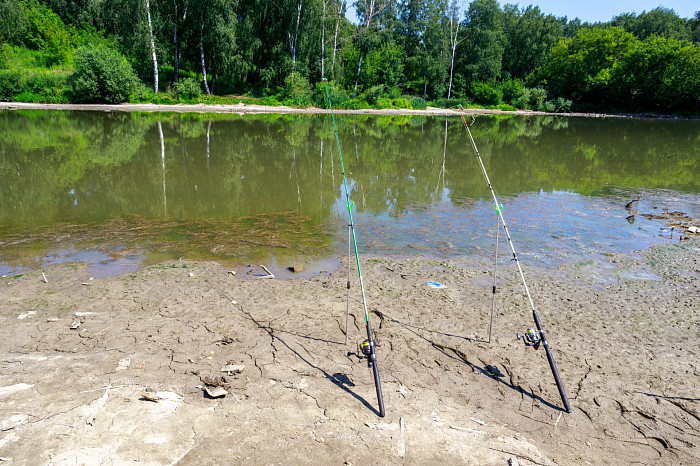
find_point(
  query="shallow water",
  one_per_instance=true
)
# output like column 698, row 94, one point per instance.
column 121, row 190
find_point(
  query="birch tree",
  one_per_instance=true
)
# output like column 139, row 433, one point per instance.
column 293, row 41
column 153, row 47
column 201, row 50
column 454, row 23
column 369, row 11
column 177, row 39
column 340, row 9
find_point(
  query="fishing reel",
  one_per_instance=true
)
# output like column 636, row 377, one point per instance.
column 365, row 352
column 531, row 338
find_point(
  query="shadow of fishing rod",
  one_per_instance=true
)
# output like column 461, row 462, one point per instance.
column 409, row 327
column 491, row 372
column 668, row 397
column 338, row 379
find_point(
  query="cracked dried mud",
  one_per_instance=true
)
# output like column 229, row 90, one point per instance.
column 627, row 350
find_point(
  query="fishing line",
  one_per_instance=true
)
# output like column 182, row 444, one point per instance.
column 530, row 338
column 495, row 270
column 368, row 346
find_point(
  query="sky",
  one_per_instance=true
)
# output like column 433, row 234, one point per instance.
column 590, row 10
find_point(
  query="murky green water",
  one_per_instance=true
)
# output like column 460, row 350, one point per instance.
column 120, row 190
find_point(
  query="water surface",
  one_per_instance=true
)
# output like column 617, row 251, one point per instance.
column 121, row 190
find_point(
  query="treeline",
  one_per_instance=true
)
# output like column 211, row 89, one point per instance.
column 402, row 53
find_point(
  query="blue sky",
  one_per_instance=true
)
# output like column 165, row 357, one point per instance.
column 592, row 10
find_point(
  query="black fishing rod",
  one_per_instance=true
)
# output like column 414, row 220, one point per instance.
column 531, row 338
column 368, row 347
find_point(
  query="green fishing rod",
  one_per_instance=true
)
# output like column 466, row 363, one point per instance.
column 368, row 346
column 531, row 338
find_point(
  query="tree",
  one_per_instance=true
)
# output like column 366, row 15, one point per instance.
column 485, row 40
column 367, row 36
column 580, row 68
column 454, row 24
column 153, row 48
column 663, row 22
column 217, row 40
column 530, row 35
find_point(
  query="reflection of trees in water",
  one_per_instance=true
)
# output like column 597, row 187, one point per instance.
column 228, row 166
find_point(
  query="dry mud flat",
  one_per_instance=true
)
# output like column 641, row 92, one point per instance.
column 625, row 333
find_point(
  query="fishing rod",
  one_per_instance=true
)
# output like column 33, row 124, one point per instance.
column 368, row 347
column 531, row 338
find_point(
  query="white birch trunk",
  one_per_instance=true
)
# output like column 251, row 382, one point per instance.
column 153, row 48
column 335, row 37
column 454, row 42
column 293, row 43
column 323, row 39
column 201, row 50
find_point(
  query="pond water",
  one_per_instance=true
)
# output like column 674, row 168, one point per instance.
column 120, row 190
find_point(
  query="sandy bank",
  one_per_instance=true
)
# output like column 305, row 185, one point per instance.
column 242, row 108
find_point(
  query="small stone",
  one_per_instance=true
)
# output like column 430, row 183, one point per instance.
column 191, row 274
column 296, row 268
column 216, row 392
column 233, row 368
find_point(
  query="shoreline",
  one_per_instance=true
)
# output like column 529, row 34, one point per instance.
column 623, row 333
column 242, row 109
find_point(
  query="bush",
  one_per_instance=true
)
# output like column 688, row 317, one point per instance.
column 451, row 103
column 12, row 82
column 102, row 75
column 485, row 94
column 354, row 104
column 512, row 89
column 562, row 105
column 297, row 87
column 374, row 93
column 4, row 56
column 538, row 97
column 506, row 107
column 401, row 103
column 42, row 98
column 384, row 102
column 338, row 95
column 188, row 89
column 417, row 102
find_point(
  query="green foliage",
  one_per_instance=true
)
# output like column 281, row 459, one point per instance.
column 562, row 105
column 218, row 100
column 102, row 75
column 661, row 22
column 298, row 88
column 418, row 103
column 188, row 89
column 450, row 103
column 530, row 36
column 506, row 107
column 12, row 82
column 33, row 86
column 401, row 103
column 486, row 94
column 612, row 69
column 485, row 41
column 644, row 64
column 384, row 102
column 374, row 93
column 336, row 93
column 511, row 89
